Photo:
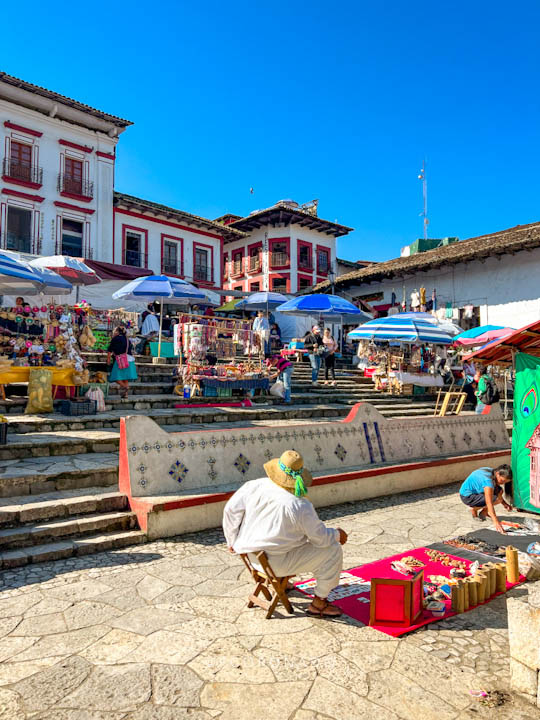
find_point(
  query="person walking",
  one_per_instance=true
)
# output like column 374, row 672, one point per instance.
column 123, row 368
column 329, row 357
column 313, row 343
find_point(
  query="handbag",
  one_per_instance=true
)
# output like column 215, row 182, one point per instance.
column 278, row 389
column 122, row 361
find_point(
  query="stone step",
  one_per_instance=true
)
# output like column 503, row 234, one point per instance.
column 51, row 531
column 70, row 547
column 33, row 476
column 60, row 504
column 66, row 442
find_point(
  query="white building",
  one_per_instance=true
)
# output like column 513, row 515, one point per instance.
column 168, row 241
column 56, row 190
column 286, row 248
column 489, row 279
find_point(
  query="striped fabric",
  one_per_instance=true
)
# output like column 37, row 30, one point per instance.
column 402, row 328
column 17, row 277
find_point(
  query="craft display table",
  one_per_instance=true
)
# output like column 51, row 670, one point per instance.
column 223, row 387
column 63, row 377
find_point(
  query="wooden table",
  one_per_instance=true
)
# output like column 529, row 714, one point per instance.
column 60, row 376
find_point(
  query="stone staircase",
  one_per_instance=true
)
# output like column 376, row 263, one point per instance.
column 59, row 474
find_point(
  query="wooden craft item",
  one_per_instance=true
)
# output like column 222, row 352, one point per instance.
column 512, row 567
column 501, row 577
column 461, row 597
column 482, row 586
column 473, row 591
column 489, row 569
column 465, row 588
column 397, row 602
column 454, row 598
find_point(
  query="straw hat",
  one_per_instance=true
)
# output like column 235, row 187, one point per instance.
column 289, row 472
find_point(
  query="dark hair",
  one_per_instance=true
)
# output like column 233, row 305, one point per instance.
column 504, row 470
column 121, row 329
column 20, row 298
column 483, row 371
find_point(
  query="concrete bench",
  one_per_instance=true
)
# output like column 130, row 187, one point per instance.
column 179, row 482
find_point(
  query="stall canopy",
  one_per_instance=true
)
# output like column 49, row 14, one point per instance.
column 405, row 327
column 502, row 351
column 110, row 271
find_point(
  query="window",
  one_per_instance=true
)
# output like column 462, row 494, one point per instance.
column 254, row 260
column 73, row 176
column 202, row 267
column 133, row 254
column 72, row 238
column 255, row 287
column 171, row 263
column 238, row 287
column 323, row 261
column 279, row 284
column 20, row 161
column 19, row 229
column 304, row 257
column 304, row 283
column 237, row 262
column 279, row 254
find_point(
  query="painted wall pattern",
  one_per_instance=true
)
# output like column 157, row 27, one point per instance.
column 162, row 463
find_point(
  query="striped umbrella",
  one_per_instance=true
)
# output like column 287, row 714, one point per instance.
column 17, row 277
column 405, row 327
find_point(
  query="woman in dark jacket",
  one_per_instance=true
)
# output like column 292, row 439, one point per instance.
column 118, row 346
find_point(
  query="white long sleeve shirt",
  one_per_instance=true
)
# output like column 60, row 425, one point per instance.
column 263, row 516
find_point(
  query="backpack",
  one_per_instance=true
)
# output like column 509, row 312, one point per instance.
column 491, row 393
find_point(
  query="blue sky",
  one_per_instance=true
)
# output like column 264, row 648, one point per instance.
column 336, row 101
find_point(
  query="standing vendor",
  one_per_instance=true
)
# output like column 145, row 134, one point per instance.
column 483, row 489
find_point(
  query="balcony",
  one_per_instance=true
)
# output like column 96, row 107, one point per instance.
column 75, row 187
column 279, row 259
column 18, row 243
column 25, row 174
column 237, row 268
column 305, row 263
column 134, row 258
column 323, row 267
column 170, row 266
column 254, row 263
column 202, row 273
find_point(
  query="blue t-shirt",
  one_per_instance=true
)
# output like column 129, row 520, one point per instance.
column 476, row 482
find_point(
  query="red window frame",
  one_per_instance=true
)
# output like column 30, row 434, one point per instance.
column 141, row 231
column 252, row 287
column 178, row 241
column 323, row 248
column 210, row 256
column 258, row 247
column 287, row 242
column 309, row 246
column 280, row 276
column 238, row 288
column 303, row 276
column 234, row 259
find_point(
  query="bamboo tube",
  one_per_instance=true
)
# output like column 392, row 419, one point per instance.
column 461, row 597
column 473, row 591
column 465, row 587
column 454, row 596
column 483, row 590
column 491, row 572
column 512, row 567
column 501, row 577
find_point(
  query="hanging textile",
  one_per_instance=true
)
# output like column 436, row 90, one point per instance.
column 434, row 298
column 448, row 313
column 469, row 309
column 526, row 434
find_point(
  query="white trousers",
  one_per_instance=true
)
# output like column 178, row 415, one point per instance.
column 324, row 563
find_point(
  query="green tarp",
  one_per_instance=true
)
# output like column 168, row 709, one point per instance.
column 525, row 458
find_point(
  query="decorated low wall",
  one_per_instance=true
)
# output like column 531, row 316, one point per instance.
column 362, row 456
column 524, row 639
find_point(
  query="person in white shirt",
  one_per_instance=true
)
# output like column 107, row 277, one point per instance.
column 273, row 514
column 261, row 327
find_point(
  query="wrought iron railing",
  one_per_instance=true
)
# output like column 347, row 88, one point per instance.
column 202, row 273
column 236, row 267
column 75, row 186
column 279, row 259
column 135, row 258
column 25, row 172
column 172, row 267
column 305, row 263
column 254, row 263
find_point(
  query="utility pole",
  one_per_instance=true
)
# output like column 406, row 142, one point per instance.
column 423, row 178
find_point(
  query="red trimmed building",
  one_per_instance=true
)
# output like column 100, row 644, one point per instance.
column 286, row 248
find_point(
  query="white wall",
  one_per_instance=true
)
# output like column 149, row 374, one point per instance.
column 507, row 290
column 155, row 229
column 47, row 153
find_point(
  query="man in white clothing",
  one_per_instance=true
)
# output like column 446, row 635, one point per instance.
column 273, row 514
column 261, row 327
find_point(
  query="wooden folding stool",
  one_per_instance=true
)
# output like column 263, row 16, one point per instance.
column 267, row 581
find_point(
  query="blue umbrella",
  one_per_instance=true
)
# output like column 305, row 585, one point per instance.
column 480, row 330
column 17, row 277
column 160, row 287
column 329, row 307
column 261, row 301
column 53, row 284
column 404, row 327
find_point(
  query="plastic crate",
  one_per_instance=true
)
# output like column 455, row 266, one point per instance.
column 80, row 407
column 225, row 392
column 3, row 433
column 210, row 391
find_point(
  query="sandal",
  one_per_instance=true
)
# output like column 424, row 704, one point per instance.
column 326, row 611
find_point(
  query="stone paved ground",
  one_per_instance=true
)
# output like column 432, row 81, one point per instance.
column 161, row 632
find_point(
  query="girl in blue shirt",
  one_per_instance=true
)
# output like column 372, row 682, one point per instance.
column 483, row 489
